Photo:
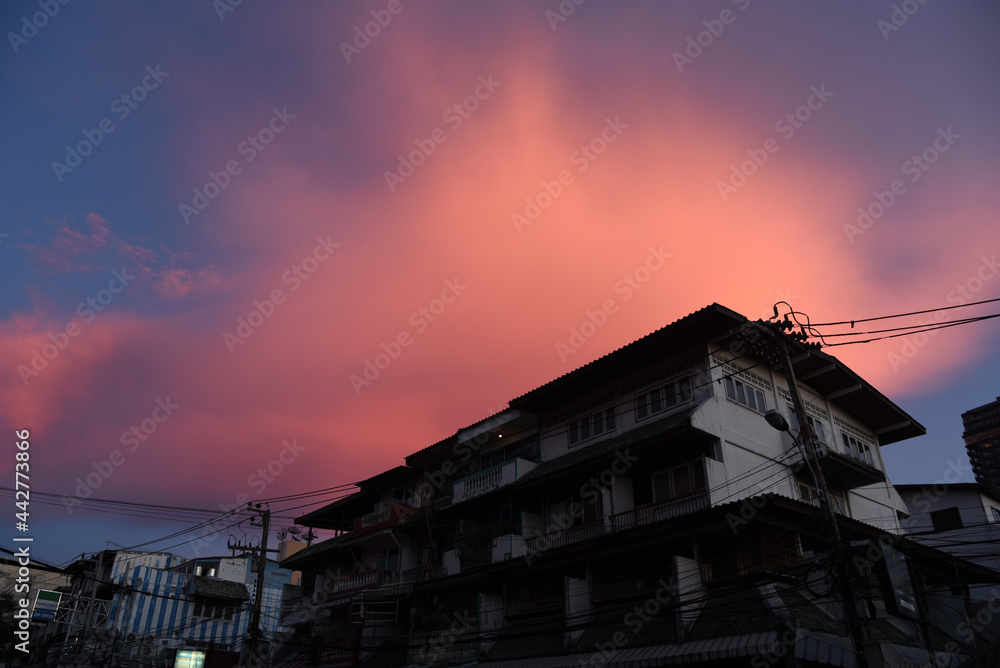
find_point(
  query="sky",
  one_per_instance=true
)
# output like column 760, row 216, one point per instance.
column 217, row 217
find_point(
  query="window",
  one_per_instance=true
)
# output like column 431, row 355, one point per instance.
column 745, row 395
column 858, row 448
column 679, row 481
column 403, row 495
column 214, row 611
column 996, row 514
column 594, row 425
column 589, row 506
column 947, row 519
column 387, row 560
column 663, row 397
column 816, row 425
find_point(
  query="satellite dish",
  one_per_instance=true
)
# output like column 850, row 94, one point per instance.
column 295, row 531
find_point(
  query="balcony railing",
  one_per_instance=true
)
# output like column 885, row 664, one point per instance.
column 475, row 557
column 574, row 534
column 657, row 512
column 373, row 578
column 490, row 479
column 546, row 599
column 423, row 573
column 381, row 518
column 847, row 471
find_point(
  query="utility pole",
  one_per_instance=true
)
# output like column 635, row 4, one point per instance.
column 806, row 435
column 93, row 595
column 249, row 655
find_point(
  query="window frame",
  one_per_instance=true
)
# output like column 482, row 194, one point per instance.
column 736, row 389
column 696, row 484
column 852, row 446
column 668, row 395
column 816, row 424
column 582, row 429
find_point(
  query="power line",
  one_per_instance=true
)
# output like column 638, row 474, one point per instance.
column 902, row 315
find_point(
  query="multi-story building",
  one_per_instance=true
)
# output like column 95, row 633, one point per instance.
column 640, row 511
column 982, row 441
column 144, row 607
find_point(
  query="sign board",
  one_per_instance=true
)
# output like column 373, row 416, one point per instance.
column 900, row 596
column 189, row 658
column 46, row 604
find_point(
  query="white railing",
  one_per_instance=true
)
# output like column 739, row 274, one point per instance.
column 375, row 517
column 492, row 478
column 359, row 581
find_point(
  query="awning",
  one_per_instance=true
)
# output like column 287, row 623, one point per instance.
column 644, row 657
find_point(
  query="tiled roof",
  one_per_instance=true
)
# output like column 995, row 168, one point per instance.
column 221, row 589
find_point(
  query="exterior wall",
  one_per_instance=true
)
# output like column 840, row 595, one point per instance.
column 979, row 538
column 751, row 445
column 125, row 562
column 234, row 569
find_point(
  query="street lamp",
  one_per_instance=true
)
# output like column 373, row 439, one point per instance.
column 777, row 420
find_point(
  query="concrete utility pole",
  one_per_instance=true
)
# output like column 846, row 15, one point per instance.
column 836, row 540
column 250, row 654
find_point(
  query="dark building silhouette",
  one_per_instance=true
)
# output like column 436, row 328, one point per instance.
column 982, row 440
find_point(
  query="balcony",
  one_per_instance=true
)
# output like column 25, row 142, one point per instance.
column 555, row 539
column 538, row 599
column 490, row 479
column 657, row 512
column 367, row 580
column 424, row 573
column 846, row 471
column 382, row 517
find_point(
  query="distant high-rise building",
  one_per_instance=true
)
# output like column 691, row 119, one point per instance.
column 982, row 440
